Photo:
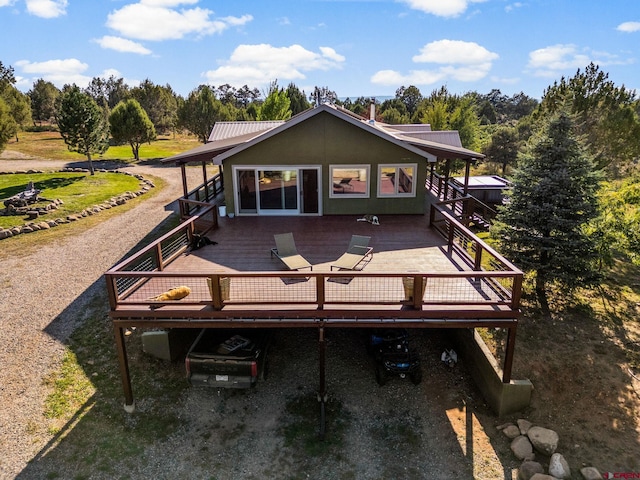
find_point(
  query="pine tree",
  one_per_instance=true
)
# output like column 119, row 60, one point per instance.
column 542, row 227
column 82, row 124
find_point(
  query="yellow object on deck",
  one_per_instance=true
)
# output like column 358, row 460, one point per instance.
column 176, row 293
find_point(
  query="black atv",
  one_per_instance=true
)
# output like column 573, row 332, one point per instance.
column 393, row 355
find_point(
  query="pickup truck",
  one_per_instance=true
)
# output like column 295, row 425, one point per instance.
column 228, row 358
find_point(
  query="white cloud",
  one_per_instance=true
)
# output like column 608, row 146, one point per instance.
column 264, row 63
column 47, row 8
column 628, row 27
column 549, row 61
column 513, row 6
column 58, row 72
column 455, row 59
column 454, row 51
column 120, row 44
column 6, row 3
column 157, row 20
column 441, row 8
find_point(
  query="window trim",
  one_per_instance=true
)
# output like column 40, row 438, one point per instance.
column 397, row 167
column 363, row 166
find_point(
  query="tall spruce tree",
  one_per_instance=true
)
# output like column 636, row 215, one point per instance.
column 542, row 227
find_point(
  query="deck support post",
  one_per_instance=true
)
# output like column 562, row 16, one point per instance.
column 123, row 361
column 509, row 352
column 322, row 392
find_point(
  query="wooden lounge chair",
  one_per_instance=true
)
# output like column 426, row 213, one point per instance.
column 357, row 255
column 286, row 251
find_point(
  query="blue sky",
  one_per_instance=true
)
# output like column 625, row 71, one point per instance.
column 354, row 47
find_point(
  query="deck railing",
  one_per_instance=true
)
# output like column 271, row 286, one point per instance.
column 492, row 282
column 466, row 208
column 202, row 196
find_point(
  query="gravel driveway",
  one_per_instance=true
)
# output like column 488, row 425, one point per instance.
column 38, row 310
column 439, row 429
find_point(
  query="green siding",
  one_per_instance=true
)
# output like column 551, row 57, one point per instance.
column 325, row 140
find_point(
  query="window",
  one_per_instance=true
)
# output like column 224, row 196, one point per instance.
column 349, row 181
column 397, row 180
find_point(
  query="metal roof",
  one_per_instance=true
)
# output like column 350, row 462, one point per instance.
column 228, row 138
column 224, row 130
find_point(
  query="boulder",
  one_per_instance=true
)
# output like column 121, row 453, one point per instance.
column 528, row 469
column 591, row 473
column 522, row 448
column 524, row 425
column 544, row 440
column 511, row 431
column 558, row 466
column 542, row 476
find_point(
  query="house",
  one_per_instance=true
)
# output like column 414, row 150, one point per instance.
column 325, row 161
column 315, row 175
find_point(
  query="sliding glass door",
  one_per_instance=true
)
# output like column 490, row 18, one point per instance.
column 277, row 191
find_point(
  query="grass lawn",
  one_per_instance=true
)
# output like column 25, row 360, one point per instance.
column 50, row 145
column 77, row 191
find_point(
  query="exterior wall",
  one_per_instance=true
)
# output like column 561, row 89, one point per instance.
column 325, row 140
column 503, row 398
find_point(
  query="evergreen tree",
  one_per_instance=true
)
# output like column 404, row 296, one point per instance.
column 542, row 227
column 276, row 106
column 82, row 124
column 43, row 100
column 130, row 124
column 199, row 113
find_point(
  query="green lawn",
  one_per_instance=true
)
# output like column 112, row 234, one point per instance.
column 77, row 191
column 50, row 145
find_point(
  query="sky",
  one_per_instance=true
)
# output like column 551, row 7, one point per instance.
column 354, row 47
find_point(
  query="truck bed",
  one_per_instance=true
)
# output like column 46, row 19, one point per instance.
column 228, row 358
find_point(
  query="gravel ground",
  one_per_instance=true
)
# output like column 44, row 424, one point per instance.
column 39, row 311
column 439, row 429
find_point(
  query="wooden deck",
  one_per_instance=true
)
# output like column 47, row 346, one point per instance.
column 401, row 243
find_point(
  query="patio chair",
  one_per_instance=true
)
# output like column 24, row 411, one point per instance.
column 357, row 255
column 287, row 252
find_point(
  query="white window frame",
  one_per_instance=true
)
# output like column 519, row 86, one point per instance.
column 397, row 167
column 346, row 193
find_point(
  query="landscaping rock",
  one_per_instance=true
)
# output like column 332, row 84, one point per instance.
column 542, row 476
column 522, row 448
column 511, row 431
column 524, row 425
column 558, row 466
column 543, row 439
column 528, row 469
column 591, row 473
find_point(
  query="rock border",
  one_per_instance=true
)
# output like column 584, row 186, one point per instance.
column 29, row 227
column 529, row 440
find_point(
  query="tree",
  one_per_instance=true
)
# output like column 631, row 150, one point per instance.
column 542, row 227
column 503, row 147
column 108, row 92
column 276, row 106
column 410, row 97
column 606, row 115
column 8, row 126
column 298, row 99
column 43, row 97
column 7, row 77
column 19, row 106
column 82, row 124
column 160, row 103
column 201, row 111
column 130, row 124
column 322, row 95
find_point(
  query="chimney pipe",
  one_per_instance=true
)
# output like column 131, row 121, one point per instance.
column 372, row 110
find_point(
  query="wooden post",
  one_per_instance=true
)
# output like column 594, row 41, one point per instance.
column 204, row 178
column 508, row 355
column 185, row 188
column 322, row 393
column 121, row 350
